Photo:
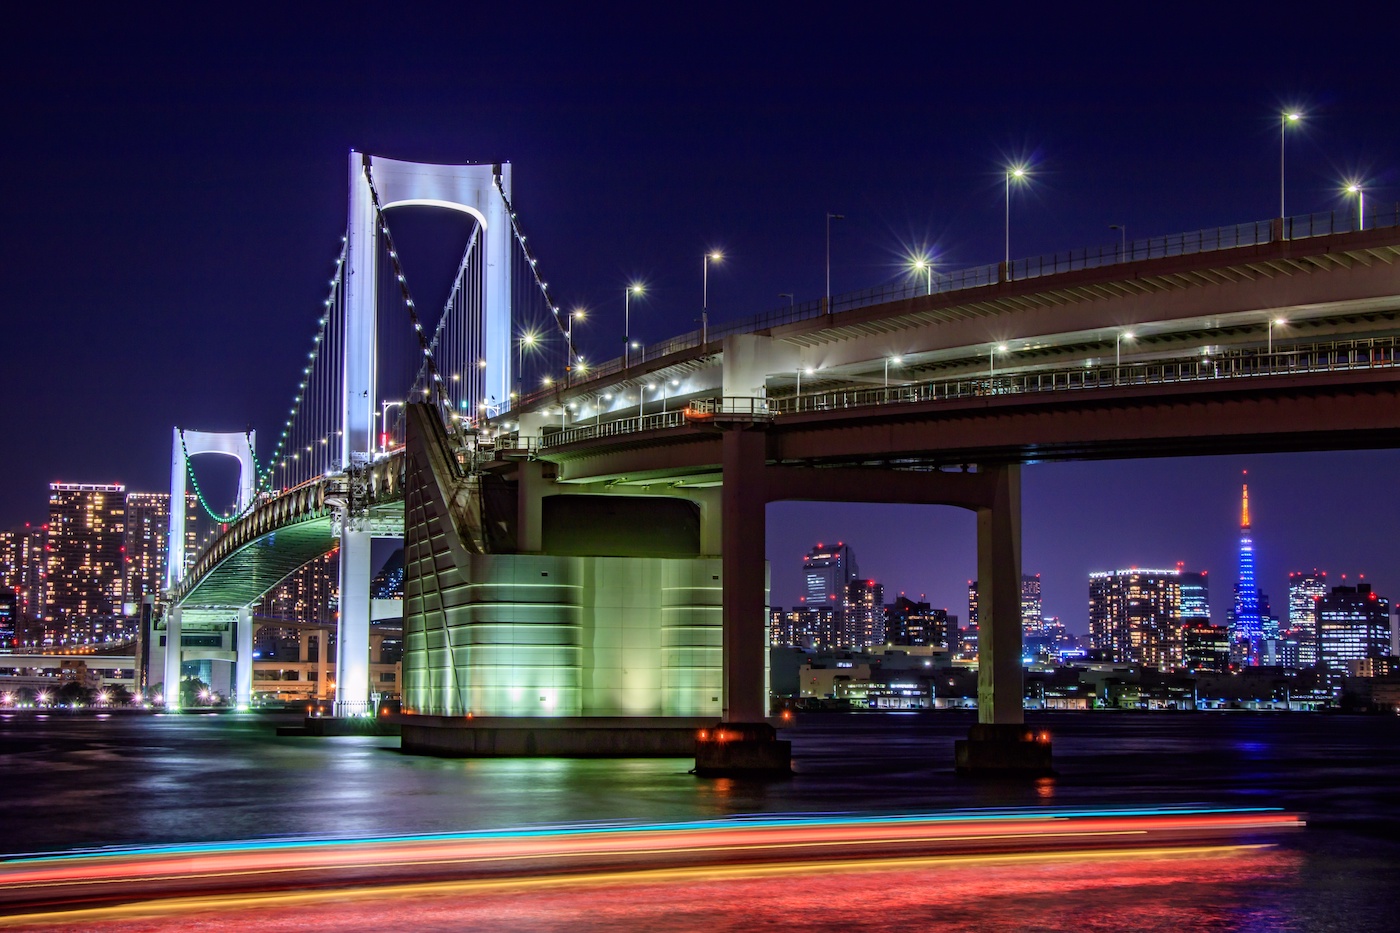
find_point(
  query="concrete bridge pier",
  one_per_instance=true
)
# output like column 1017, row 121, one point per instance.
column 1000, row 742
column 744, row 743
column 243, row 659
column 172, row 659
column 352, row 645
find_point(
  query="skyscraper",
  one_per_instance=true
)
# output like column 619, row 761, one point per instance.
column 22, row 572
column 1195, row 594
column 83, row 554
column 147, row 545
column 1353, row 623
column 828, row 571
column 865, row 614
column 1246, row 623
column 1136, row 615
column 1304, row 590
column 1032, row 617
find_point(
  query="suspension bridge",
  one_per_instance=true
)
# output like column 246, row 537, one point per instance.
column 591, row 550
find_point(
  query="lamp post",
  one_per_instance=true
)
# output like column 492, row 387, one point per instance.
column 1018, row 172
column 888, row 360
column 800, row 370
column 1355, row 188
column 527, row 339
column 1118, row 351
column 789, row 296
column 925, row 265
column 713, row 256
column 992, row 358
column 1286, row 118
column 569, row 363
column 1122, row 240
column 384, row 423
column 829, row 218
column 634, row 289
column 1274, row 321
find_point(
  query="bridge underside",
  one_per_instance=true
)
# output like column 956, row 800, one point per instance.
column 246, row 575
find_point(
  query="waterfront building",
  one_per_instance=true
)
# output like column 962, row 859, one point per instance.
column 1246, row 621
column 800, row 627
column 1304, row 590
column 1353, row 624
column 1032, row 619
column 22, row 572
column 9, row 620
column 147, row 545
column 1134, row 616
column 865, row 614
column 1205, row 647
column 1195, row 594
column 826, row 573
column 84, row 569
column 916, row 623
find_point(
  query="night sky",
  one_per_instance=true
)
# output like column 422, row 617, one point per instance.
column 176, row 192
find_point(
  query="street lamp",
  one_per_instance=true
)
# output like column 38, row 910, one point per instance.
column 829, row 218
column 992, row 357
column 527, row 339
column 634, row 289
column 1355, row 188
column 1122, row 239
column 925, row 265
column 1272, row 322
column 1017, row 172
column 1285, row 118
column 713, row 256
column 809, row 372
column 888, row 360
column 1118, row 351
column 569, row 338
column 384, row 423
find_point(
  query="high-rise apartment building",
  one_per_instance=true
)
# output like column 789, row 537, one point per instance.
column 1304, row 590
column 22, row 572
column 147, row 544
column 910, row 622
column 84, row 565
column 865, row 614
column 1353, row 624
column 1136, row 615
column 1032, row 617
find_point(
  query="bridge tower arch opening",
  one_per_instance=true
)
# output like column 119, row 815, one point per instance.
column 187, row 445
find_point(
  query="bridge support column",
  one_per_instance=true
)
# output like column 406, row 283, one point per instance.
column 744, row 743
column 352, row 648
column 1000, row 743
column 172, row 659
column 243, row 660
column 529, row 509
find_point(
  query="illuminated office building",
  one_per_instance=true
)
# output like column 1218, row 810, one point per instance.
column 84, row 564
column 9, row 620
column 1353, row 624
column 1205, row 647
column 1195, row 594
column 1136, row 616
column 1304, row 590
column 827, row 572
column 908, row 622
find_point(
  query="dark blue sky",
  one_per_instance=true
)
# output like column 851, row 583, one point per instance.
column 176, row 192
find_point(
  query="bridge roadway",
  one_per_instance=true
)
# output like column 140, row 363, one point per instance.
column 1284, row 345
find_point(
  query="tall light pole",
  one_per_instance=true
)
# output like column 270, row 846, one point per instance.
column 1017, row 172
column 1122, row 239
column 527, row 339
column 1286, row 118
column 569, row 337
column 1118, row 351
column 829, row 218
column 634, row 289
column 992, row 358
column 1356, row 189
column 713, row 256
column 888, row 360
column 789, row 296
column 925, row 265
column 1272, row 322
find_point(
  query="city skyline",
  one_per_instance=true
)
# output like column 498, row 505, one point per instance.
column 182, row 271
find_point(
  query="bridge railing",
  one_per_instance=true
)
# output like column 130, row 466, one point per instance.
column 1291, row 359
column 1213, row 239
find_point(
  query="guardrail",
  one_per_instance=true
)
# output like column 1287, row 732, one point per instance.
column 1301, row 227
column 1292, row 359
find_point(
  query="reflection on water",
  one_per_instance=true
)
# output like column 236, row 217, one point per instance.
column 73, row 782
